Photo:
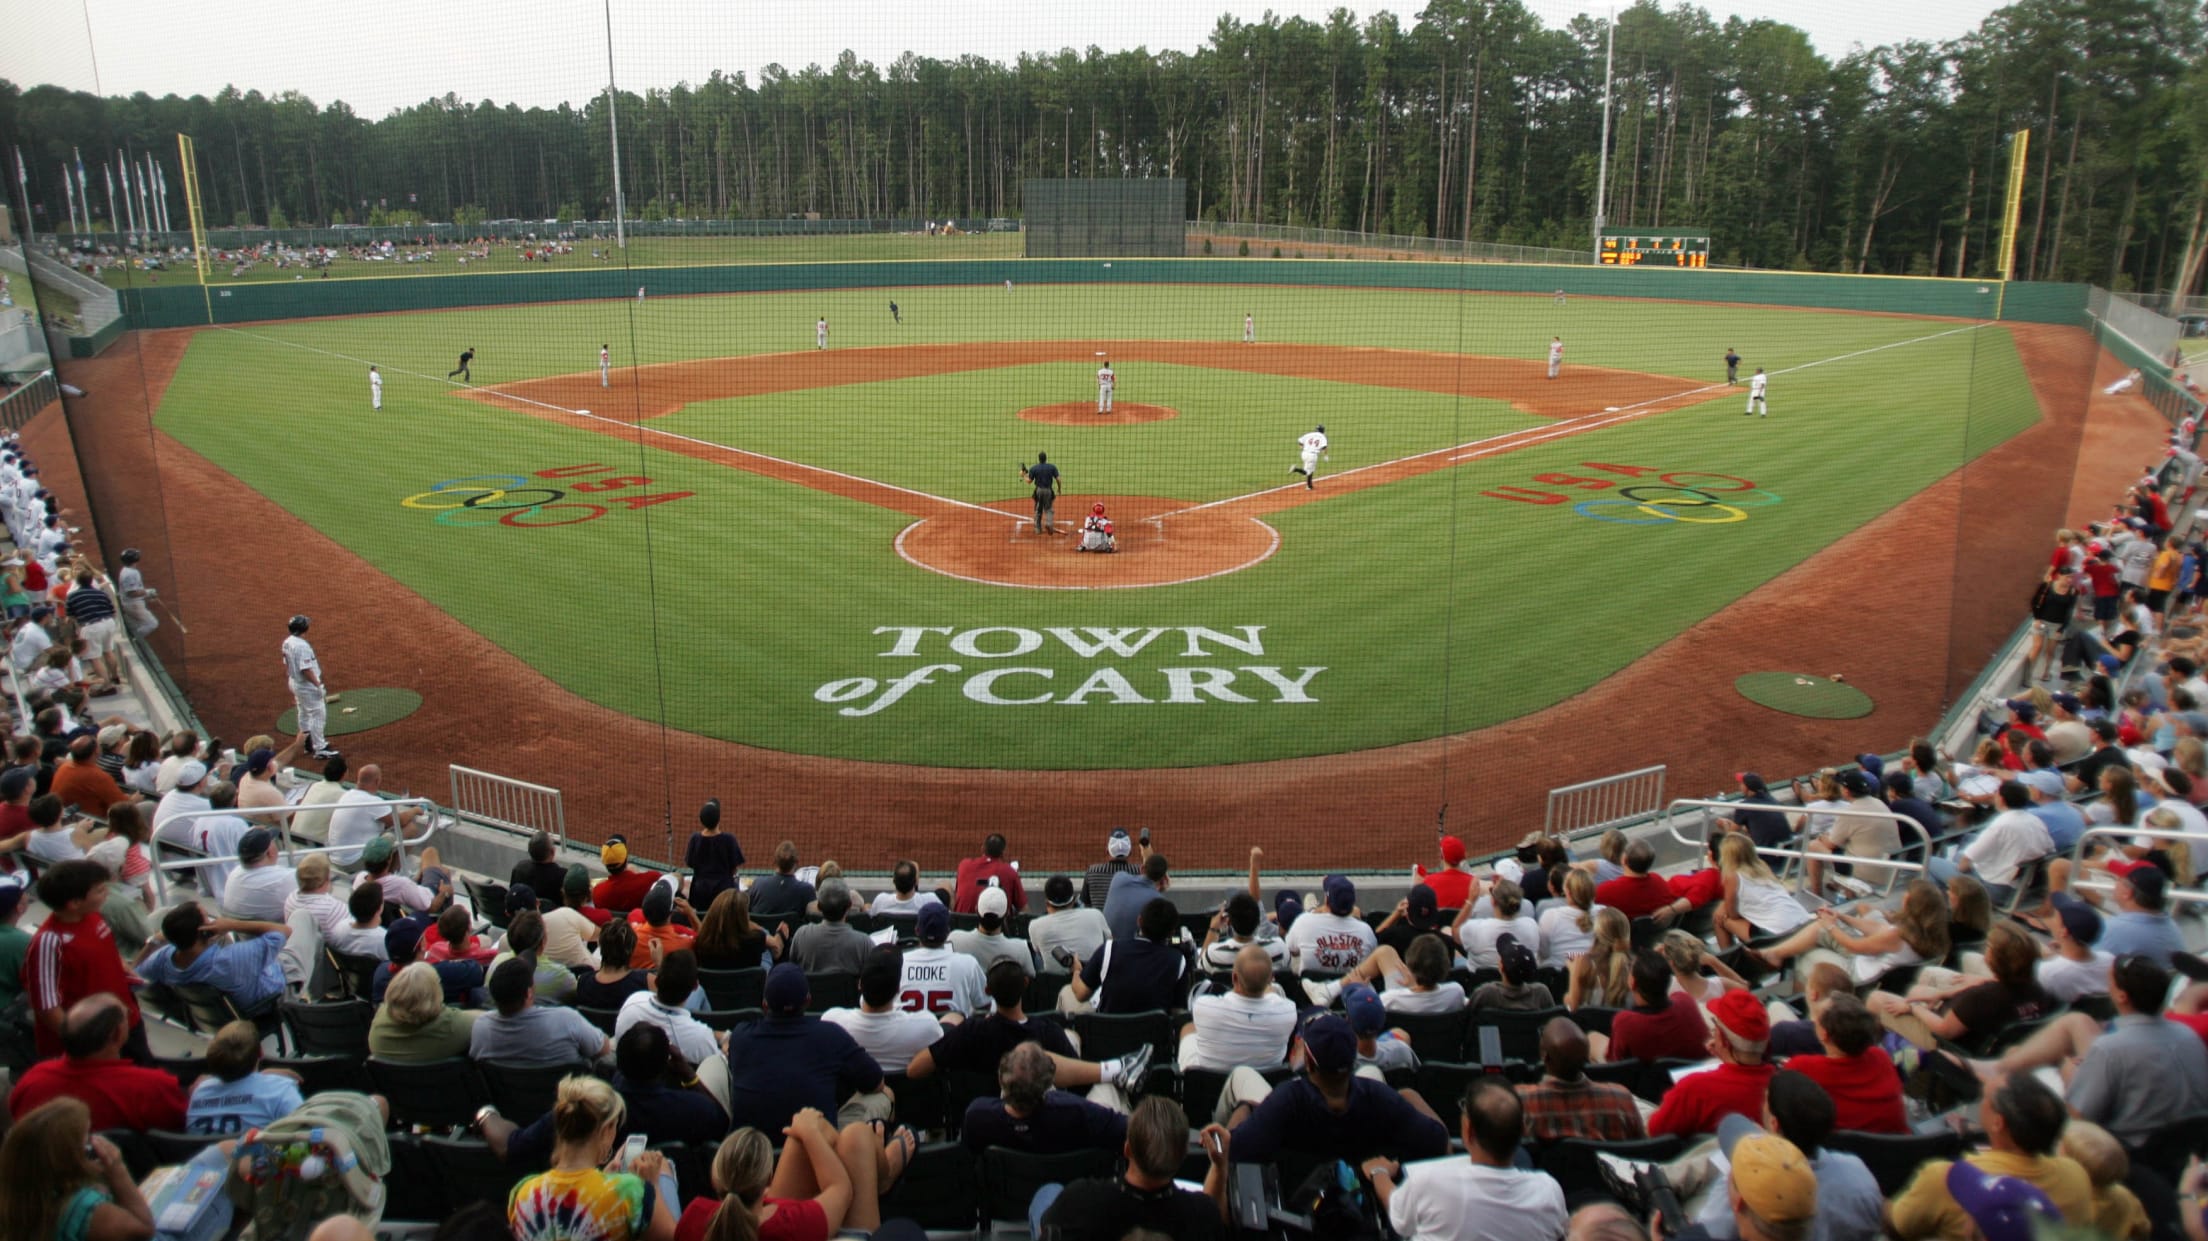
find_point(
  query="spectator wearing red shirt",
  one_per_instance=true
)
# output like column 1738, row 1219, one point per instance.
column 1736, row 1087
column 975, row 873
column 654, row 924
column 74, row 955
column 622, row 890
column 2107, row 581
column 453, row 939
column 121, row 1095
column 1638, row 893
column 1452, row 883
column 1854, row 1070
column 575, row 895
column 1662, row 1024
column 80, row 782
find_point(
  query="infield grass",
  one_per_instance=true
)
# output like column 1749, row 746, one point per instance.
column 1429, row 606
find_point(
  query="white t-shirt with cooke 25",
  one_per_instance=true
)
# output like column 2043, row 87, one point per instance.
column 1329, row 942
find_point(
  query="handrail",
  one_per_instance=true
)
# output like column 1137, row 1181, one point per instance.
column 1898, row 818
column 283, row 832
column 2077, row 857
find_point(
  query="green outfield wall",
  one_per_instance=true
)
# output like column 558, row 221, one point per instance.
column 190, row 306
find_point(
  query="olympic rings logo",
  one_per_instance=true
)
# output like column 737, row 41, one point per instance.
column 522, row 502
column 1683, row 498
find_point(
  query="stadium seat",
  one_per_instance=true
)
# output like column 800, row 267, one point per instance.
column 523, row 1092
column 1572, row 1160
column 693, row 1167
column 1042, row 993
column 730, row 1019
column 1631, row 1074
column 919, row 1101
column 1521, row 1032
column 469, row 1171
column 210, row 1010
column 1592, row 1018
column 1434, row 1036
column 1442, row 1084
column 137, row 1155
column 438, row 1094
column 826, row 991
column 1009, row 1178
column 729, row 990
column 1105, row 1035
column 355, row 972
column 331, row 1028
column 960, row 1088
column 320, row 1073
column 1894, row 1158
column 603, row 1018
column 168, row 1147
column 414, row 1190
column 185, row 1069
column 488, row 898
column 1201, row 1088
column 937, row 1190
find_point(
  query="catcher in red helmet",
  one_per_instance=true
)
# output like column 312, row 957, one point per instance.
column 1096, row 532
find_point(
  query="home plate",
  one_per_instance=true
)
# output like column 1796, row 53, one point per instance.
column 1608, row 409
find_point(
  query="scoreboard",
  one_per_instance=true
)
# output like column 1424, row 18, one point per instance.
column 1654, row 250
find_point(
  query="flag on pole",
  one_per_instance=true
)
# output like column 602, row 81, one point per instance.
column 145, row 216
column 84, row 189
column 70, row 188
column 112, row 216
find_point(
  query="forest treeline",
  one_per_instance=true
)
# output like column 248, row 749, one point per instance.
column 1469, row 120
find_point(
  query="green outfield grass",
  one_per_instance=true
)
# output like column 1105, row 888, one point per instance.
column 641, row 252
column 768, row 591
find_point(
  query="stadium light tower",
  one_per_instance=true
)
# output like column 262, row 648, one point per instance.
column 1602, row 163
column 613, row 124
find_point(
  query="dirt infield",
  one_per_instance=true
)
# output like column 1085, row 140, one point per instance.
column 1891, row 633
column 1084, row 414
column 975, row 546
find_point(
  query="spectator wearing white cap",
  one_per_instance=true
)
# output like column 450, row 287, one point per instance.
column 191, row 777
column 1096, row 882
column 988, row 943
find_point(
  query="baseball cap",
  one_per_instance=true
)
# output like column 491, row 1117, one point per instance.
column 785, row 990
column 2080, row 921
column 519, row 898
column 2068, row 702
column 11, row 895
column 575, row 885
column 1119, row 844
column 13, row 781
column 258, row 761
column 1329, row 1043
column 933, row 923
column 403, row 937
column 1751, row 781
column 1742, row 1014
column 1517, row 960
column 615, row 852
column 658, row 904
column 2003, row 1207
column 1510, row 868
column 1856, row 782
column 2149, row 883
column 112, row 734
column 1287, row 907
column 2024, row 711
column 992, row 901
column 254, row 843
column 1367, row 1015
column 1341, row 894
column 1424, row 905
column 1772, row 1177
column 2045, row 780
column 1452, row 850
column 1058, row 892
column 378, row 849
column 190, row 772
column 1871, row 763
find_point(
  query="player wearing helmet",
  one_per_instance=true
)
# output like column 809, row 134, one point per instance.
column 304, row 672
column 1311, row 446
column 1096, row 532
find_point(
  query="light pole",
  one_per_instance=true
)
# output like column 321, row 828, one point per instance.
column 1602, row 166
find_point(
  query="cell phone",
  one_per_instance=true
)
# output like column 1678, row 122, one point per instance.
column 1145, row 838
column 1216, row 1144
column 632, row 1150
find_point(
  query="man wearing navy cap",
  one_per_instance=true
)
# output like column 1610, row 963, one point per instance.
column 791, row 1061
column 262, row 883
column 1330, row 1110
column 1333, row 938
column 936, row 979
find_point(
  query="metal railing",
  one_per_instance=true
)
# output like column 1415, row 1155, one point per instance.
column 1596, row 804
column 23, row 404
column 502, row 801
column 1895, row 866
column 2171, row 893
column 292, row 850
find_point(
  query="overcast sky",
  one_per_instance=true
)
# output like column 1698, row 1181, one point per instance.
column 387, row 55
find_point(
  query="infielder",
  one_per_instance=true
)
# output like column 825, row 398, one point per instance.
column 1556, row 356
column 1560, row 297
column 1756, row 404
column 820, row 333
column 605, row 366
column 375, row 388
column 1105, row 381
column 134, row 595
column 1008, row 286
column 640, row 295
column 1312, row 444
column 1249, row 329
column 304, row 672
column 1732, row 367
column 1044, row 477
column 467, row 356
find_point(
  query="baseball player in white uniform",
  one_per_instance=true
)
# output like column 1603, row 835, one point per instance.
column 605, row 366
column 304, row 672
column 1105, row 381
column 820, row 333
column 1756, row 404
column 132, row 592
column 1249, row 329
column 375, row 388
column 640, row 295
column 1556, row 356
column 1312, row 444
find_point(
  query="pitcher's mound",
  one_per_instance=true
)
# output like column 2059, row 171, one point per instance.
column 1161, row 543
column 1083, row 414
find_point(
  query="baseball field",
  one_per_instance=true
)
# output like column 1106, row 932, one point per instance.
column 831, row 553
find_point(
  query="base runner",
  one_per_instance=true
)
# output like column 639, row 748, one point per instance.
column 1756, row 402
column 1312, row 444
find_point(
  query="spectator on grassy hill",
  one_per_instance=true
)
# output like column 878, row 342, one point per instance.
column 781, row 894
column 1451, row 884
column 987, row 943
column 990, row 870
column 881, row 1026
column 414, row 1025
column 623, row 888
column 1079, row 930
column 1332, row 939
column 540, row 872
column 1565, row 1104
column 1096, row 882
column 523, row 1032
column 1662, row 1024
column 1602, row 976
column 1739, row 1031
column 237, row 1094
column 1147, row 972
column 1132, row 891
column 90, row 1067
column 2023, row 1121
column 713, row 857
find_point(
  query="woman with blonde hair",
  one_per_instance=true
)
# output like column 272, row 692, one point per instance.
column 1755, row 902
column 413, row 1026
column 589, row 1194
column 1686, row 954
column 1603, row 975
column 58, row 1182
column 1865, row 942
column 1568, row 929
column 823, row 1183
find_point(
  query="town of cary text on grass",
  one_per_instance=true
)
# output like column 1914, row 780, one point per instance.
column 1016, row 685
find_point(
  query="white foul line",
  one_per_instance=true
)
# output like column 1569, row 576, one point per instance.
column 673, row 435
column 1492, row 444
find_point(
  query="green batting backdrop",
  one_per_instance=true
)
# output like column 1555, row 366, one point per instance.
column 1128, row 218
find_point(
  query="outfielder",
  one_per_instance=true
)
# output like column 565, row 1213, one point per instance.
column 1732, row 366
column 1043, row 476
column 820, row 333
column 1556, row 356
column 375, row 388
column 467, row 356
column 605, row 366
column 894, row 317
column 640, row 295
column 304, row 672
column 1756, row 403
column 1105, row 382
column 1312, row 444
column 1249, row 329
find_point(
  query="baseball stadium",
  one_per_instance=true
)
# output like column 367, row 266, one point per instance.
column 1431, row 476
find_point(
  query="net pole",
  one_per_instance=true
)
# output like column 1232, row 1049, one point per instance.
column 613, row 125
